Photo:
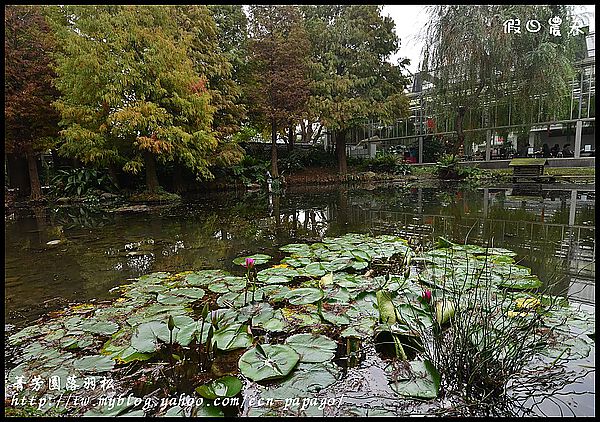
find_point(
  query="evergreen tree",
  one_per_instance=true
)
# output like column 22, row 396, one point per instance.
column 352, row 77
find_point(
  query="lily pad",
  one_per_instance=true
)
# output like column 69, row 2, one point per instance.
column 100, row 327
column 297, row 249
column 228, row 386
column 316, row 269
column 258, row 259
column 268, row 361
column 306, row 380
column 96, row 363
column 304, row 295
column 335, row 319
column 523, row 282
column 194, row 293
column 423, row 381
column 297, row 262
column 232, row 337
column 312, row 348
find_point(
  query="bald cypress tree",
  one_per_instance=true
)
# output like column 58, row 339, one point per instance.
column 278, row 50
column 30, row 121
column 130, row 92
column 352, row 77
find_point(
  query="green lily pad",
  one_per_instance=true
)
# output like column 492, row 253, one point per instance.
column 100, row 327
column 338, row 264
column 170, row 299
column 275, row 293
column 335, row 319
column 268, row 361
column 312, row 348
column 523, row 282
column 360, row 265
column 274, row 279
column 300, row 317
column 361, row 255
column 145, row 337
column 194, row 293
column 232, row 337
column 305, row 381
column 296, row 261
column 97, row 363
column 298, row 249
column 263, row 315
column 218, row 287
column 423, row 381
column 228, row 386
column 204, row 277
column 362, row 329
column 304, row 295
column 316, row 269
column 258, row 259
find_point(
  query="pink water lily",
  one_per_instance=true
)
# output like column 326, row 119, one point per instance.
column 427, row 295
column 249, row 263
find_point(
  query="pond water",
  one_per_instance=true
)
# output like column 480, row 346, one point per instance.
column 92, row 251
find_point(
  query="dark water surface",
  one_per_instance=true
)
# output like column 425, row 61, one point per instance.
column 553, row 233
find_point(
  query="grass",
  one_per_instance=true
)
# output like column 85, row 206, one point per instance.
column 570, row 171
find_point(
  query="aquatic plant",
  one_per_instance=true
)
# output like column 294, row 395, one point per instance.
column 458, row 320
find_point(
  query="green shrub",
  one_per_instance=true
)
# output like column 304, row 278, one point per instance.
column 300, row 158
column 80, row 182
column 387, row 163
column 449, row 168
column 251, row 170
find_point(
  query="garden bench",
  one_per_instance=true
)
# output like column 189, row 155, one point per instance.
column 529, row 169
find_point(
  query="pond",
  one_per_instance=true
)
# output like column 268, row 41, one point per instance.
column 78, row 254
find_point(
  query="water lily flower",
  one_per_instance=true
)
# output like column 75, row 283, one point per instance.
column 427, row 295
column 249, row 263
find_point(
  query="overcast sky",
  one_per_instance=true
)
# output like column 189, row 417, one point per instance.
column 410, row 19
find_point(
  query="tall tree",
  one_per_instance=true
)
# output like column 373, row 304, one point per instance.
column 478, row 64
column 130, row 94
column 353, row 79
column 213, row 55
column 30, row 122
column 279, row 50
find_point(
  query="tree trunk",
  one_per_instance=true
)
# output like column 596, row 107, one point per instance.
column 304, row 131
column 34, row 178
column 459, row 130
column 113, row 175
column 152, row 184
column 178, row 184
column 274, row 170
column 340, row 150
column 17, row 174
column 291, row 137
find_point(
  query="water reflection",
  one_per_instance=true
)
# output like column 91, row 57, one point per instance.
column 554, row 234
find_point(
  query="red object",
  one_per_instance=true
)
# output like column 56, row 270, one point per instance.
column 430, row 124
column 427, row 295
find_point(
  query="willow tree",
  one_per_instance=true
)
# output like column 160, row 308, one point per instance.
column 130, row 93
column 478, row 64
column 353, row 77
column 30, row 122
column 278, row 49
